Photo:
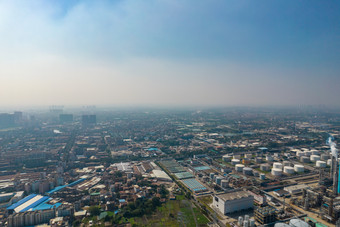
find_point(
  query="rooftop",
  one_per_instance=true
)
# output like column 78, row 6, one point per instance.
column 234, row 195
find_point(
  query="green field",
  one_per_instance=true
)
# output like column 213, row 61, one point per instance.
column 179, row 212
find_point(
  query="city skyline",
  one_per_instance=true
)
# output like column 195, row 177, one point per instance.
column 169, row 53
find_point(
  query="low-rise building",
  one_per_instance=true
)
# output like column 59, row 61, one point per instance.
column 296, row 189
column 233, row 201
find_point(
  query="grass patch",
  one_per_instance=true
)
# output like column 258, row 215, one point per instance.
column 173, row 213
column 200, row 218
column 206, row 201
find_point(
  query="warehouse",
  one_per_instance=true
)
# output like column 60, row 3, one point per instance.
column 233, row 201
column 296, row 189
column 31, row 203
column 184, row 175
column 194, row 185
column 160, row 175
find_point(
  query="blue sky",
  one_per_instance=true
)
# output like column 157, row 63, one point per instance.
column 169, row 52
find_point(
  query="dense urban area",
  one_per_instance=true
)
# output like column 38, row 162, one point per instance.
column 136, row 167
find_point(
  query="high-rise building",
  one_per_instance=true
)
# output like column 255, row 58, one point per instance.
column 66, row 118
column 7, row 120
column 89, row 119
column 17, row 116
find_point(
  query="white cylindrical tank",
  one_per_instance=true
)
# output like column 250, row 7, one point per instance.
column 281, row 225
column 219, row 180
column 277, row 165
column 224, row 183
column 251, row 222
column 245, row 223
column 298, row 223
column 269, row 158
column 308, row 153
column 288, row 169
column 321, row 164
column 248, row 155
column 300, row 153
column 325, row 157
column 265, row 167
column 286, row 163
column 246, row 217
column 262, row 176
column 329, row 162
column 276, row 172
column 314, row 158
column 304, row 159
column 315, row 152
column 247, row 171
column 239, row 167
column 299, row 168
column 240, row 221
column 226, row 158
column 235, row 161
column 205, row 178
column 236, row 156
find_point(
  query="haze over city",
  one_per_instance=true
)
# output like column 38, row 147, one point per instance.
column 179, row 113
column 176, row 53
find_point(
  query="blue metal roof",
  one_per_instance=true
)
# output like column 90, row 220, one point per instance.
column 24, row 200
column 36, row 203
column 200, row 168
column 41, row 204
column 46, row 206
column 64, row 186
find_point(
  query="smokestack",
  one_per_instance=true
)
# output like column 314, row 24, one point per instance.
column 330, row 207
column 332, row 146
column 335, row 177
column 334, row 165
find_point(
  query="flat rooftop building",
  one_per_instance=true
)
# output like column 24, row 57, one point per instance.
column 233, row 201
column 265, row 215
column 161, row 175
column 296, row 189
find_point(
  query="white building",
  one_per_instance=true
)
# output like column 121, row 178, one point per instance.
column 296, row 189
column 233, row 201
column 161, row 175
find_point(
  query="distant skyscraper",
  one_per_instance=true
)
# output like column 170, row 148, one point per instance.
column 7, row 120
column 88, row 119
column 17, row 116
column 66, row 118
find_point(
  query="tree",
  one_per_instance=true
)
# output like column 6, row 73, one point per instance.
column 155, row 202
column 163, row 191
column 94, row 210
column 118, row 174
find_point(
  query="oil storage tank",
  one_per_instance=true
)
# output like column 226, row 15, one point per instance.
column 276, row 172
column 288, row 170
column 239, row 167
column 277, row 165
column 314, row 158
column 321, row 164
column 287, row 163
column 298, row 223
column 299, row 168
column 235, row 161
column 325, row 157
column 248, row 171
column 265, row 167
column 304, row 159
column 226, row 158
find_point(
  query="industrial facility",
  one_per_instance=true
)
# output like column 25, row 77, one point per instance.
column 233, row 201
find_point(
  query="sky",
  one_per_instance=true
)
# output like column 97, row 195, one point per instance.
column 169, row 52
